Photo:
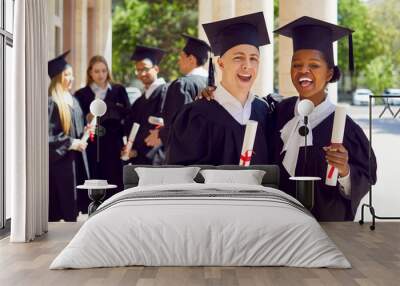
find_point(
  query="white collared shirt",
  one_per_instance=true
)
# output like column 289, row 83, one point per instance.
column 200, row 71
column 153, row 86
column 68, row 99
column 293, row 141
column 231, row 104
column 345, row 185
column 100, row 92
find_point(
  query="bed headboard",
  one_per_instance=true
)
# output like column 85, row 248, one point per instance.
column 270, row 179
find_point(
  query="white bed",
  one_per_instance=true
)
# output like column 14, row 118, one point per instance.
column 222, row 225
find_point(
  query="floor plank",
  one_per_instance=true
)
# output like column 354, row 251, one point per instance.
column 374, row 255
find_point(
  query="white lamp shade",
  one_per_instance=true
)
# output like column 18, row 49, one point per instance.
column 305, row 107
column 98, row 107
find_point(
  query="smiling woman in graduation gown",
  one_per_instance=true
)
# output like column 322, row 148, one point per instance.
column 311, row 70
column 213, row 132
column 67, row 158
column 100, row 85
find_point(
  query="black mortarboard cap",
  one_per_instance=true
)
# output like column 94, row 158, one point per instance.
column 225, row 34
column 153, row 54
column 311, row 33
column 57, row 65
column 248, row 29
column 196, row 47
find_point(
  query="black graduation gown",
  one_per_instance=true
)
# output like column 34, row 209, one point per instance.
column 330, row 204
column 140, row 111
column 67, row 168
column 180, row 92
column 110, row 167
column 205, row 133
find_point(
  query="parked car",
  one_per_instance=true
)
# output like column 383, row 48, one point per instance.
column 133, row 94
column 392, row 92
column 361, row 97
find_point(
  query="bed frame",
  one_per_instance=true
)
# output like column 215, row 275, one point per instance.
column 270, row 179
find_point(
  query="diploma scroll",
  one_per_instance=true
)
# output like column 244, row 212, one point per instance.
column 89, row 133
column 248, row 143
column 131, row 139
column 339, row 123
column 158, row 121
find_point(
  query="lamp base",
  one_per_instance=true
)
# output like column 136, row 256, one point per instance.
column 97, row 196
column 305, row 190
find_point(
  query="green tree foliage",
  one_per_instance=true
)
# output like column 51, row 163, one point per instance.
column 379, row 74
column 376, row 42
column 367, row 38
column 386, row 15
column 157, row 23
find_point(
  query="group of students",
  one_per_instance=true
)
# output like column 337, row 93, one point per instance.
column 211, row 130
column 73, row 159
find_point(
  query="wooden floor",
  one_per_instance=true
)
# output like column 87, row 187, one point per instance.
column 374, row 255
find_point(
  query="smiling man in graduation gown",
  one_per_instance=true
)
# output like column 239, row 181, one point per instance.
column 312, row 69
column 184, row 89
column 213, row 132
column 149, row 104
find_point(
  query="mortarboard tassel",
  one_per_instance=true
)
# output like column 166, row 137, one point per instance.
column 211, row 73
column 351, row 56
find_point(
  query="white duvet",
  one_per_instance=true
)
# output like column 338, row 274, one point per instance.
column 200, row 231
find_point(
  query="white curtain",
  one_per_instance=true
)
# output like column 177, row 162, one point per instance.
column 27, row 123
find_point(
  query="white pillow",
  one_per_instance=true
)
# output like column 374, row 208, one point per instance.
column 248, row 177
column 164, row 176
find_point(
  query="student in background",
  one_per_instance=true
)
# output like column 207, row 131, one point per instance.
column 99, row 84
column 184, row 89
column 67, row 158
column 146, row 60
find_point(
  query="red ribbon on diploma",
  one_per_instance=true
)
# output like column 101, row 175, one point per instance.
column 91, row 136
column 330, row 173
column 246, row 157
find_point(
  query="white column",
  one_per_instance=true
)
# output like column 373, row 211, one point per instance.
column 55, row 20
column 223, row 9
column 289, row 10
column 79, row 48
column 212, row 10
column 103, row 29
column 51, row 29
column 205, row 16
column 265, row 80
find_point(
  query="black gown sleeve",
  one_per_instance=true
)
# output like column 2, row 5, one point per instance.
column 190, row 140
column 334, row 205
column 131, row 117
column 125, row 101
column 59, row 142
column 84, row 97
column 122, row 105
column 362, row 172
column 177, row 96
